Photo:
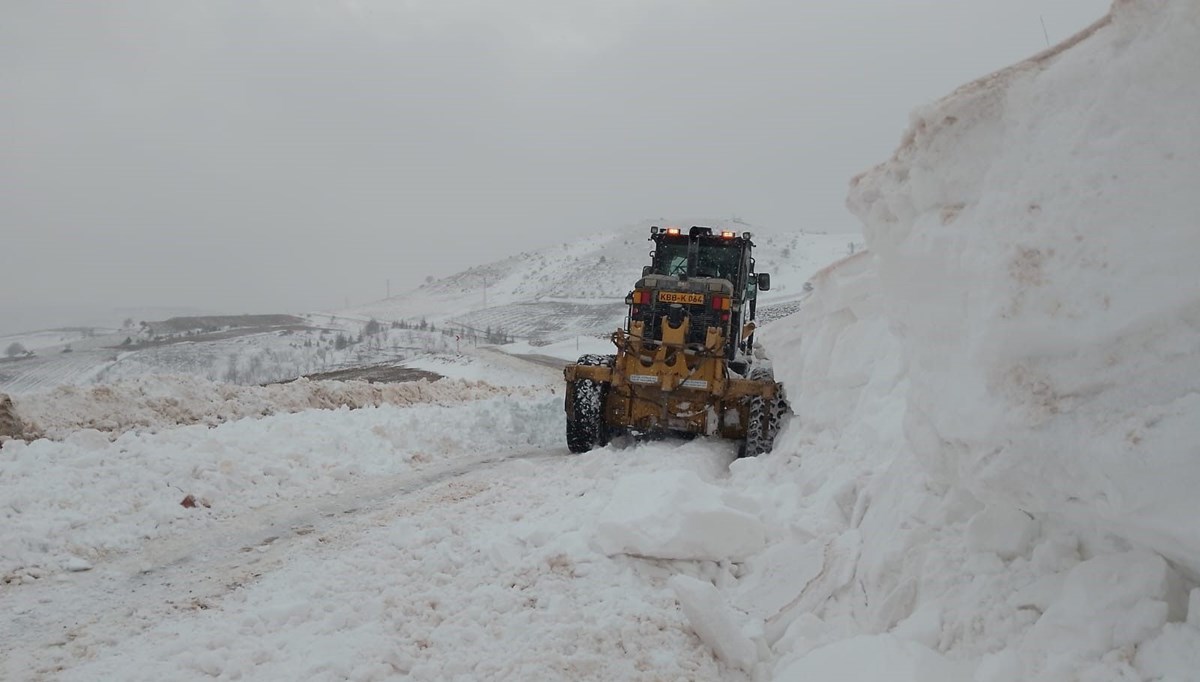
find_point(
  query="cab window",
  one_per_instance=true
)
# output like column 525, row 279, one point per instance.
column 718, row 261
column 671, row 259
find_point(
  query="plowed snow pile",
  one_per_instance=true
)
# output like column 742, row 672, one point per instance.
column 157, row 402
column 998, row 433
column 76, row 501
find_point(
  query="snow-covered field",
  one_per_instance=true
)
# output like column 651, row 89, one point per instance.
column 245, row 356
column 990, row 475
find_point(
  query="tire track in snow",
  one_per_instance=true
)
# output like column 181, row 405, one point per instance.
column 59, row 622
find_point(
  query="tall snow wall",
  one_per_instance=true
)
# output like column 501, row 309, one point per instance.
column 1002, row 397
column 1037, row 237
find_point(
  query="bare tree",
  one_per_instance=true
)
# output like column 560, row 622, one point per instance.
column 14, row 349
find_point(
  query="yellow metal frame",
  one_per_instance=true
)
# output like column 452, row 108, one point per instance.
column 667, row 385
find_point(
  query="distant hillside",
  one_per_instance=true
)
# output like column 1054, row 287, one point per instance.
column 179, row 325
column 578, row 287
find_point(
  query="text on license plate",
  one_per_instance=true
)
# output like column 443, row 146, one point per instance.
column 676, row 297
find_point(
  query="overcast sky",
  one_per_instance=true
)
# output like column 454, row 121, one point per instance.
column 288, row 155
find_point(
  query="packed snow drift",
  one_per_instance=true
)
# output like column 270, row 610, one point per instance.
column 160, row 402
column 1000, row 402
column 90, row 496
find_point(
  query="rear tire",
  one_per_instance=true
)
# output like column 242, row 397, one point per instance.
column 758, row 438
column 586, row 427
column 762, row 418
column 779, row 408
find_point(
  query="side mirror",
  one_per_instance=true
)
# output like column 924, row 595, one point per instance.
column 764, row 281
column 646, row 270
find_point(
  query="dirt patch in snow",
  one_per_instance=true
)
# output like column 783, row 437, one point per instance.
column 376, row 374
column 10, row 425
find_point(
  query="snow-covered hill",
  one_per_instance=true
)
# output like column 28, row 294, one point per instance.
column 561, row 292
column 579, row 286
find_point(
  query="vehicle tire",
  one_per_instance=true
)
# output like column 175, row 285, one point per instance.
column 587, row 428
column 757, row 436
column 761, row 421
column 779, row 408
column 592, row 360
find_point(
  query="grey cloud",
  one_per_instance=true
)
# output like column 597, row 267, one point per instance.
column 265, row 155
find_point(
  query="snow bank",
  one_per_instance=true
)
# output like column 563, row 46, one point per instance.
column 999, row 403
column 877, row 657
column 1036, row 237
column 87, row 496
column 159, row 402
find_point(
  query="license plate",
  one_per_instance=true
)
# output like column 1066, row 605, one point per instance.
column 676, row 297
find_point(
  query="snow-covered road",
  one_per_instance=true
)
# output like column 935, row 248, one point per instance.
column 480, row 568
column 63, row 619
column 423, row 541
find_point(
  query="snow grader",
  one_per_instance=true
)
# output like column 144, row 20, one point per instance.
column 685, row 361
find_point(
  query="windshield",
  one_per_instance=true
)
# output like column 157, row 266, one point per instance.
column 713, row 259
column 718, row 261
column 671, row 259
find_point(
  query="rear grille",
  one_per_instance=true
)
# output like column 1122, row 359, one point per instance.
column 702, row 317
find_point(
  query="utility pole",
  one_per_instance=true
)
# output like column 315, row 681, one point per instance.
column 1045, row 33
column 485, row 291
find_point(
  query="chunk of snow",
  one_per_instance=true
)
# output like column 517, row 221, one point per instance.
column 714, row 621
column 1002, row 529
column 77, row 564
column 776, row 577
column 1111, row 601
column 805, row 633
column 1172, row 655
column 924, row 626
column 676, row 515
column 876, row 657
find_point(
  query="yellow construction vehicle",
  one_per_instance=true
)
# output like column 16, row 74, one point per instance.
column 685, row 360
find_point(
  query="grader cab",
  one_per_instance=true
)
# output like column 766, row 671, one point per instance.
column 685, row 360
